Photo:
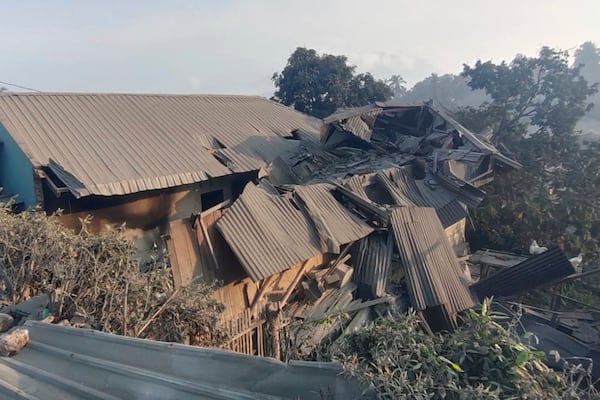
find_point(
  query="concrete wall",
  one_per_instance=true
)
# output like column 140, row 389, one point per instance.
column 16, row 172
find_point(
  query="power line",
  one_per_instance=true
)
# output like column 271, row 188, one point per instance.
column 20, row 87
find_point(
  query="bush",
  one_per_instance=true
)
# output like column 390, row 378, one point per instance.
column 96, row 276
column 398, row 359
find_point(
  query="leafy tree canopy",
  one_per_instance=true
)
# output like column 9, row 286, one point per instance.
column 588, row 56
column 544, row 93
column 535, row 104
column 448, row 91
column 320, row 84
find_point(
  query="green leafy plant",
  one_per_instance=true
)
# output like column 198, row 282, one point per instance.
column 483, row 359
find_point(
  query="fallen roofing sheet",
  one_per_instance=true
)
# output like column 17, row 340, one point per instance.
column 415, row 121
column 267, row 233
column 114, row 144
column 270, row 233
column 432, row 269
column 371, row 259
column 65, row 363
column 335, row 223
column 536, row 271
column 407, row 191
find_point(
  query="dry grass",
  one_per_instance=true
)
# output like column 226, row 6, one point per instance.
column 96, row 276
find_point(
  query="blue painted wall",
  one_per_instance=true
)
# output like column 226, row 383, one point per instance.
column 16, row 172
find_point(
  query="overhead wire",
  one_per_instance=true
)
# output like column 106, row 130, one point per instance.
column 20, row 87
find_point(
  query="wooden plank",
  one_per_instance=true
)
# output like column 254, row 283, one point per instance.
column 215, row 208
column 184, row 252
column 294, row 283
column 211, row 249
column 266, row 283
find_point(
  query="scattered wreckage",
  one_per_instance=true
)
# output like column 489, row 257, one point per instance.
column 367, row 219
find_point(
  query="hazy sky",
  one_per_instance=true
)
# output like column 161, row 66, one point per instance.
column 235, row 46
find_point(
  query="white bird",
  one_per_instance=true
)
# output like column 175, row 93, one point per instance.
column 576, row 261
column 535, row 249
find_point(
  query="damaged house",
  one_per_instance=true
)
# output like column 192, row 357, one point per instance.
column 149, row 161
column 301, row 220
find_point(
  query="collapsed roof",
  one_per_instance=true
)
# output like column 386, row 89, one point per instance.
column 386, row 179
column 418, row 129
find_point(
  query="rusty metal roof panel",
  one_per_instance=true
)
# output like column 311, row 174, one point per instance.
column 477, row 141
column 371, row 259
column 357, row 184
column 535, row 271
column 407, row 191
column 267, row 233
column 345, row 113
column 114, row 144
column 335, row 223
column 433, row 272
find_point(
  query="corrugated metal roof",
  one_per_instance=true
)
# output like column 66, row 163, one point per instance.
column 357, row 184
column 114, row 144
column 476, row 141
column 432, row 269
column 536, row 271
column 392, row 106
column 371, row 259
column 407, row 191
column 267, row 233
column 64, row 363
column 336, row 224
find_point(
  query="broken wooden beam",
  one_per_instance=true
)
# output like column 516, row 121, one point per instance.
column 294, row 283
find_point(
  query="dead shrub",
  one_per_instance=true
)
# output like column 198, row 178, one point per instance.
column 96, row 276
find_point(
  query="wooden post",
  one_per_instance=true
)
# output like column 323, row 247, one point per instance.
column 266, row 283
column 273, row 316
column 294, row 283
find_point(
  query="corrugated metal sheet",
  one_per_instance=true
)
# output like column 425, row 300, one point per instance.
column 406, row 191
column 64, row 363
column 345, row 113
column 393, row 106
column 267, row 233
column 451, row 213
column 432, row 269
column 476, row 141
column 114, row 144
column 336, row 224
column 457, row 154
column 359, row 127
column 536, row 271
column 371, row 259
column 357, row 184
column 467, row 193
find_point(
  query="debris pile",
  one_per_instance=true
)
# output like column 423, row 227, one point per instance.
column 367, row 222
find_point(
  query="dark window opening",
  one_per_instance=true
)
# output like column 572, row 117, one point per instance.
column 211, row 199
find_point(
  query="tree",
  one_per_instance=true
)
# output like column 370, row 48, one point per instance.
column 588, row 56
column 544, row 93
column 448, row 91
column 320, row 84
column 398, row 86
column 535, row 104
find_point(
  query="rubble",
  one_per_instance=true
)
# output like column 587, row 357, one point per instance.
column 368, row 221
column 13, row 341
